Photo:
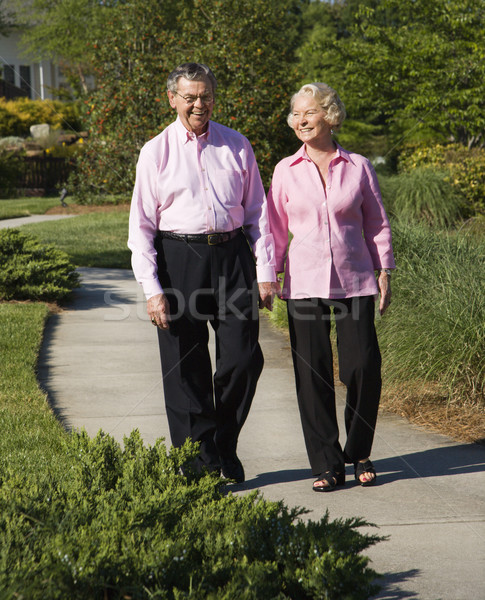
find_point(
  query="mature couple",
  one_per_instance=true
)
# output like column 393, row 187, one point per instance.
column 207, row 247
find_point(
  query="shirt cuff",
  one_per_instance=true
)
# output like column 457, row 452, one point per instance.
column 152, row 288
column 265, row 273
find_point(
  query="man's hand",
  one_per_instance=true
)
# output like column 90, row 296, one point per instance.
column 158, row 310
column 267, row 291
column 384, row 283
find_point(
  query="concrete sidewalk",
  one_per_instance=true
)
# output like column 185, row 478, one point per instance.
column 100, row 366
column 17, row 222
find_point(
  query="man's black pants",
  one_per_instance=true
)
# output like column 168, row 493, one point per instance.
column 359, row 369
column 215, row 284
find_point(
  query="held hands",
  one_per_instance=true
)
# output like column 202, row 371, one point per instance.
column 158, row 310
column 267, row 291
column 384, row 284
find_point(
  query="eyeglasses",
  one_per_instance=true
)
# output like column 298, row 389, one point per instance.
column 205, row 98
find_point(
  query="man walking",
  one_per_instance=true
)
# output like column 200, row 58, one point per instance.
column 197, row 202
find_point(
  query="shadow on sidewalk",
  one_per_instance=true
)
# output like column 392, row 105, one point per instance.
column 436, row 462
column 391, row 582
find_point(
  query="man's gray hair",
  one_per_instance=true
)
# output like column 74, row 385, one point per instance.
column 192, row 72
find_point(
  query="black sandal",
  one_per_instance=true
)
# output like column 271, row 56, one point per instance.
column 365, row 467
column 332, row 479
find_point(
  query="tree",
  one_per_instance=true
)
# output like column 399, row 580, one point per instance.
column 239, row 39
column 63, row 31
column 415, row 66
column 6, row 19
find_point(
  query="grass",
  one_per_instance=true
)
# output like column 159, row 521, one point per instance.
column 91, row 240
column 423, row 196
column 24, row 207
column 437, row 323
column 30, row 435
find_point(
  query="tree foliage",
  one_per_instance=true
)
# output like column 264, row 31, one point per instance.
column 414, row 66
column 6, row 19
column 63, row 31
column 239, row 39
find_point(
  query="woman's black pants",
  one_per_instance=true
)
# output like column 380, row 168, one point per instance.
column 215, row 284
column 359, row 369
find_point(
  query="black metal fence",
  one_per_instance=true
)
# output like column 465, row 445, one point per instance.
column 43, row 174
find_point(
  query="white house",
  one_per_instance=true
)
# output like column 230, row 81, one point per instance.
column 38, row 79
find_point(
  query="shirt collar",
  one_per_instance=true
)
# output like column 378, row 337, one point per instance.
column 301, row 155
column 185, row 135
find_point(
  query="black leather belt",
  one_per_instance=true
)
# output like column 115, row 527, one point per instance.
column 212, row 239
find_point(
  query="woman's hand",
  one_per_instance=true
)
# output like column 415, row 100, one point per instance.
column 384, row 283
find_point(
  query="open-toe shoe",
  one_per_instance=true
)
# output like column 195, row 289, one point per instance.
column 330, row 479
column 365, row 467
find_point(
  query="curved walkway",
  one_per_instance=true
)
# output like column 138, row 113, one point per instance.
column 100, row 367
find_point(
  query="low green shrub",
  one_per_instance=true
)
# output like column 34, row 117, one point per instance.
column 423, row 195
column 16, row 116
column 32, row 270
column 124, row 523
column 465, row 169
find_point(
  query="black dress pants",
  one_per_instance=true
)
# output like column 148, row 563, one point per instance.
column 359, row 369
column 215, row 284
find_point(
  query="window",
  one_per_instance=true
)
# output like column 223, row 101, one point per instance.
column 9, row 74
column 25, row 81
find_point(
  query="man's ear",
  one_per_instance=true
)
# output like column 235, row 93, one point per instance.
column 171, row 99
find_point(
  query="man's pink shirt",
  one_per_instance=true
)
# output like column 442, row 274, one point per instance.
column 341, row 234
column 197, row 184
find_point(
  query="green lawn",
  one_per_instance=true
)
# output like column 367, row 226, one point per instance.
column 30, row 436
column 24, row 207
column 91, row 240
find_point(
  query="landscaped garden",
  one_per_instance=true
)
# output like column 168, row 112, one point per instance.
column 86, row 518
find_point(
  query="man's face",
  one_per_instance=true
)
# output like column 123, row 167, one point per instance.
column 194, row 115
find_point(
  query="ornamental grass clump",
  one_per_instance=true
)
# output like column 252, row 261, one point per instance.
column 434, row 331
column 423, row 195
column 32, row 270
column 125, row 523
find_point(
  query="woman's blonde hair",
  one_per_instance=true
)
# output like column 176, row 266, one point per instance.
column 328, row 99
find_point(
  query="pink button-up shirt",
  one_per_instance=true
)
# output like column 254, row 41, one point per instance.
column 341, row 234
column 197, row 184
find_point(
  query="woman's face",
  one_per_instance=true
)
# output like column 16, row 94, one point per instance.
column 308, row 120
